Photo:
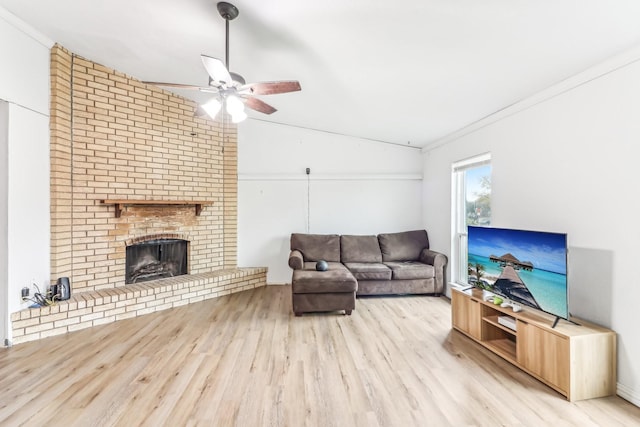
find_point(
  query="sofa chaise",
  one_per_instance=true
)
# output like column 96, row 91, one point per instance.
column 392, row 263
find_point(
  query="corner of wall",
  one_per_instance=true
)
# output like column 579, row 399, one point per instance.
column 60, row 151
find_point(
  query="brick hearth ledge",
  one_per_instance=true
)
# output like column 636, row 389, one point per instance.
column 87, row 309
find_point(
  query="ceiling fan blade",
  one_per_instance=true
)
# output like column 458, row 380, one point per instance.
column 237, row 78
column 216, row 69
column 272, row 88
column 258, row 105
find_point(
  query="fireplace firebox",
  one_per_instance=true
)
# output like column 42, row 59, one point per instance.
column 155, row 259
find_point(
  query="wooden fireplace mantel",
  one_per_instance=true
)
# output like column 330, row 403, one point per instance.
column 119, row 203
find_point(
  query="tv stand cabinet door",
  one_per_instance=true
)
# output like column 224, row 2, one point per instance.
column 545, row 355
column 466, row 314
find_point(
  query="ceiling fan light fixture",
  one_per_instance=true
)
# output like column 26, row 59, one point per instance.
column 234, row 105
column 238, row 117
column 212, row 107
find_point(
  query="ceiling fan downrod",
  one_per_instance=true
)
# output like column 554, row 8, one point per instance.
column 228, row 12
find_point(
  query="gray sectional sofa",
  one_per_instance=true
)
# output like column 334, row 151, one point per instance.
column 392, row 263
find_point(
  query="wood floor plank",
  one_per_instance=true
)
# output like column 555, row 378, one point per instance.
column 246, row 360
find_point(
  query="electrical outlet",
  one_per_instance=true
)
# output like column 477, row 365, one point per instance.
column 25, row 292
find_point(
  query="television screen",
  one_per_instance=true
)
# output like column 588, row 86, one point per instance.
column 526, row 267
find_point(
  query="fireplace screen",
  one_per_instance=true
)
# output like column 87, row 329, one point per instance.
column 156, row 259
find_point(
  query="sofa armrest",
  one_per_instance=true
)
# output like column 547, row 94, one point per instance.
column 296, row 261
column 439, row 263
column 438, row 260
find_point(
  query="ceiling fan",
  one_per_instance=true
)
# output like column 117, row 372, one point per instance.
column 230, row 89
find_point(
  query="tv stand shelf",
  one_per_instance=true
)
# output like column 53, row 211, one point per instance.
column 493, row 320
column 578, row 361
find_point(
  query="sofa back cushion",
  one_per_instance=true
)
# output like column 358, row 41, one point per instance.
column 405, row 246
column 315, row 247
column 360, row 249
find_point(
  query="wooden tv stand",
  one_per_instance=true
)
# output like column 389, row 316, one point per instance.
column 578, row 361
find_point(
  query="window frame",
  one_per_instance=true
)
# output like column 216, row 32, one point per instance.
column 458, row 214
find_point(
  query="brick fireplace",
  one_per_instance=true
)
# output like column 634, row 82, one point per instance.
column 116, row 138
column 115, row 141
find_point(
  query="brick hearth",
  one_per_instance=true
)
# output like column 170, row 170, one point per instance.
column 88, row 309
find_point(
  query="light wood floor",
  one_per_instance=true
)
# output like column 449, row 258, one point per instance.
column 245, row 360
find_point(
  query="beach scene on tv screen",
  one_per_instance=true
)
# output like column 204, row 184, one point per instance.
column 527, row 267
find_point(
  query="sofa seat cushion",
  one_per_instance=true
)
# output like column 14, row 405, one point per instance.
column 369, row 270
column 410, row 270
column 336, row 279
column 405, row 246
column 360, row 249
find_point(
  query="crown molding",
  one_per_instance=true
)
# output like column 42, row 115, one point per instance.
column 27, row 29
column 598, row 71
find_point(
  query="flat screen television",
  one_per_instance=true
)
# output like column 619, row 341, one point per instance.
column 524, row 267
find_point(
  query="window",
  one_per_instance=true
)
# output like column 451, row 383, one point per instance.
column 471, row 206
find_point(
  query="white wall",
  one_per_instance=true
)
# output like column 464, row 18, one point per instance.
column 24, row 74
column 567, row 162
column 355, row 187
column 4, row 221
column 24, row 83
column 28, row 202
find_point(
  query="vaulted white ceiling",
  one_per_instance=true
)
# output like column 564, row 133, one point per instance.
column 401, row 71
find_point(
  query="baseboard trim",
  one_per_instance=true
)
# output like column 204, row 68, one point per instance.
column 628, row 394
